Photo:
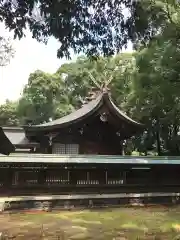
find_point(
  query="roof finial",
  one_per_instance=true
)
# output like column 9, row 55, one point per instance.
column 100, row 87
column 103, row 87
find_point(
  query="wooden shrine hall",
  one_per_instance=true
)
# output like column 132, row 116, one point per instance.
column 78, row 158
column 99, row 127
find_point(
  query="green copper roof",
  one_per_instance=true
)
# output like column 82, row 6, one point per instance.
column 89, row 159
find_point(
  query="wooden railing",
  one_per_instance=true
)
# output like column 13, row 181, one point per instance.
column 87, row 189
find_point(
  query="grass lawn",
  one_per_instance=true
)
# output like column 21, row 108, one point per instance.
column 116, row 224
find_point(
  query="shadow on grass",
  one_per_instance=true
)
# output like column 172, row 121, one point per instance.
column 116, row 224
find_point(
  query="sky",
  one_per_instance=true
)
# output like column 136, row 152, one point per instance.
column 30, row 55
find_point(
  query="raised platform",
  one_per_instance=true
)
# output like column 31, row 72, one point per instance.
column 86, row 196
column 46, row 202
column 31, row 181
column 34, row 158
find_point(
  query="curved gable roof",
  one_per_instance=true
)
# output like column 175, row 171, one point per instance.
column 86, row 111
column 119, row 113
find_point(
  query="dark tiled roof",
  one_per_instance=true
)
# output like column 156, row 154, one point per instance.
column 121, row 114
column 78, row 114
column 84, row 112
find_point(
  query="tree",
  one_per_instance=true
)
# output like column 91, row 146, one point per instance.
column 154, row 95
column 93, row 27
column 78, row 83
column 43, row 99
column 9, row 114
column 49, row 96
column 6, row 51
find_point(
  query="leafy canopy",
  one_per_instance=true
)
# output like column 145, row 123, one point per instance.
column 43, row 98
column 9, row 114
column 6, row 51
column 90, row 26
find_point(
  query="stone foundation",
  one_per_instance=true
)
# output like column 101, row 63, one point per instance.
column 69, row 202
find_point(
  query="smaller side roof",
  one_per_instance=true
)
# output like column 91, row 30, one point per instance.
column 6, row 147
column 17, row 137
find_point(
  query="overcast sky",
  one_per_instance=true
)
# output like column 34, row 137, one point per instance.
column 30, row 56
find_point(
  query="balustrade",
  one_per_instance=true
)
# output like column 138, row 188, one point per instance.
column 96, row 178
column 57, row 177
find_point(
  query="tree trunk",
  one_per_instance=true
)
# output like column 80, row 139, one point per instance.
column 175, row 133
column 158, row 142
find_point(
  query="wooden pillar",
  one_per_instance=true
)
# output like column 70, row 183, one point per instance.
column 106, row 177
column 68, row 176
column 49, row 149
column 121, row 147
column 101, row 175
column 10, row 176
column 5, row 176
column 72, row 179
column 8, row 180
column 87, row 180
column 16, row 178
column 124, row 177
column 41, row 176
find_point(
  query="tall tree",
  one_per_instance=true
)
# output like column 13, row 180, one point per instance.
column 78, row 83
column 9, row 114
column 43, row 98
column 154, row 95
column 49, row 96
column 94, row 26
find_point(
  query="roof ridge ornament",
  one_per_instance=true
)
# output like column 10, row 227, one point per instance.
column 102, row 88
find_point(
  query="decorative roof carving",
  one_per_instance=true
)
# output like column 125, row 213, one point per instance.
column 98, row 88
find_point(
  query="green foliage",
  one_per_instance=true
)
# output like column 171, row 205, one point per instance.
column 49, row 96
column 154, row 93
column 6, row 51
column 78, row 82
column 145, row 84
column 93, row 27
column 43, row 98
column 8, row 114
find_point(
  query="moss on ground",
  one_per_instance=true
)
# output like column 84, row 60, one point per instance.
column 117, row 224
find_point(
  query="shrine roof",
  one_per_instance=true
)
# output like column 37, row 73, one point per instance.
column 89, row 159
column 17, row 137
column 83, row 113
column 6, row 147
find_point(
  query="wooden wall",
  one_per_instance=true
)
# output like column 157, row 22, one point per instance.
column 88, row 147
column 88, row 179
column 94, row 137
